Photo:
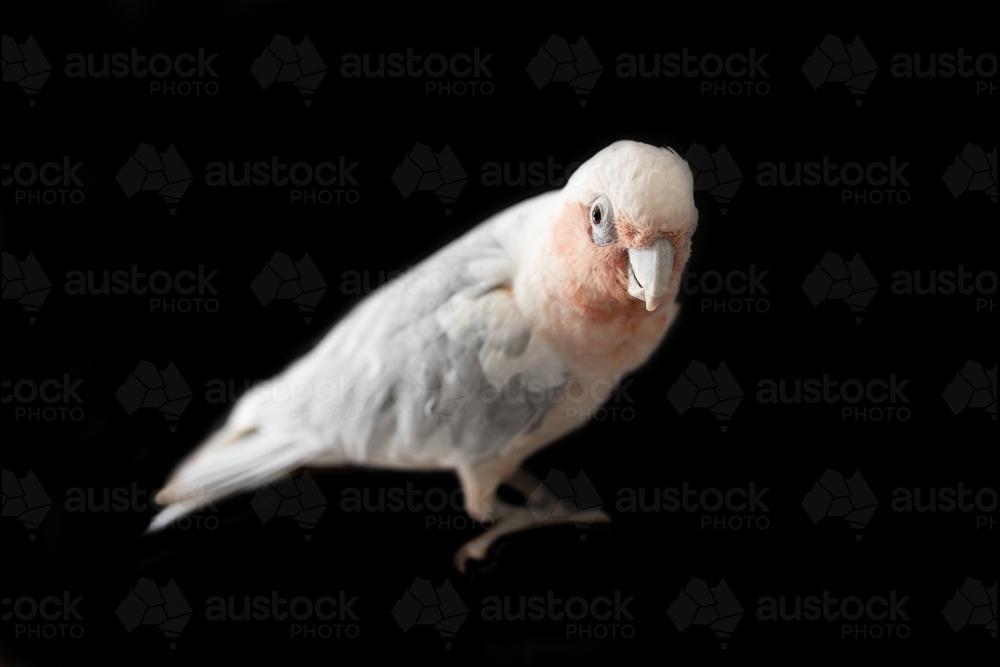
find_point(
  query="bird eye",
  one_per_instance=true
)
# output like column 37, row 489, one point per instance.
column 602, row 228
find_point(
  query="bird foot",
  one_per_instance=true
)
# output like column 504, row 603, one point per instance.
column 517, row 519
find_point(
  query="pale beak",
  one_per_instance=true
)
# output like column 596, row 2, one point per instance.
column 649, row 272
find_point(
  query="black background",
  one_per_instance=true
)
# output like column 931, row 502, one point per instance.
column 375, row 556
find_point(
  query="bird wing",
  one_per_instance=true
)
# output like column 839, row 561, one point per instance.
column 433, row 370
column 438, row 367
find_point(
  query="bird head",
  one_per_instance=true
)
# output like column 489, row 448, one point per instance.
column 625, row 227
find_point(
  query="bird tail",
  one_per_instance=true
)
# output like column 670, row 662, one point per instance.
column 228, row 463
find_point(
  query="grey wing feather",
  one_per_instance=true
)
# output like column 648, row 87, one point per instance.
column 435, row 369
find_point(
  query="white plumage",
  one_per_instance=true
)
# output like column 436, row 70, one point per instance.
column 462, row 363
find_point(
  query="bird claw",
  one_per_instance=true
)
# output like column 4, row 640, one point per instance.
column 473, row 550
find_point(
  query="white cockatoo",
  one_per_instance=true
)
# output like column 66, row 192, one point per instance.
column 490, row 349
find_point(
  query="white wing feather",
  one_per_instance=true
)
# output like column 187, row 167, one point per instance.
column 435, row 369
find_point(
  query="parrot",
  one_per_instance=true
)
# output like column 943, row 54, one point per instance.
column 493, row 347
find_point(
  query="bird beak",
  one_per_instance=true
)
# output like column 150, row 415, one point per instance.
column 649, row 273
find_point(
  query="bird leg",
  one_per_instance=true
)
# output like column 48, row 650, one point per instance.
column 542, row 508
column 479, row 486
